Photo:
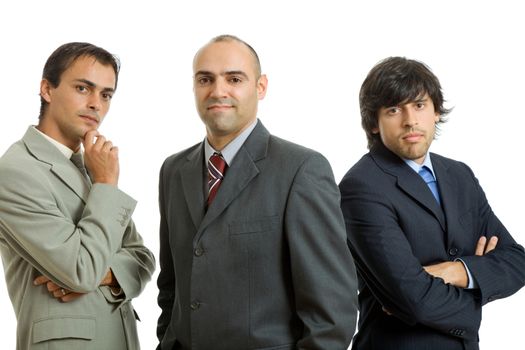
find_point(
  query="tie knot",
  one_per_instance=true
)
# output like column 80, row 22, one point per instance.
column 217, row 164
column 426, row 174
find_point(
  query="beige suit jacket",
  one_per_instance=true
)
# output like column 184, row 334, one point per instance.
column 52, row 223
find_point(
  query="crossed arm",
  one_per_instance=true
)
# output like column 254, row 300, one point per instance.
column 454, row 272
column 66, row 295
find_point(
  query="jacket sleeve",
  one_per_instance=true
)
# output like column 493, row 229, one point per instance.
column 501, row 272
column 133, row 264
column 75, row 255
column 323, row 272
column 390, row 269
column 166, row 279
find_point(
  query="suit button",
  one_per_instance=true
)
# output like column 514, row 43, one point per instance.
column 453, row 251
column 198, row 251
column 195, row 305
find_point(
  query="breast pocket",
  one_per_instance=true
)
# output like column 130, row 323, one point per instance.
column 258, row 225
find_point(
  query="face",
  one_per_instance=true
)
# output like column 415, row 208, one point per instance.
column 79, row 103
column 408, row 129
column 227, row 89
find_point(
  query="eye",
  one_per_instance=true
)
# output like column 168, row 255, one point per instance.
column 393, row 110
column 107, row 96
column 204, row 80
column 235, row 80
column 81, row 88
column 420, row 105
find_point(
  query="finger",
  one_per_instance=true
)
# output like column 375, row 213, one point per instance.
column 114, row 151
column 51, row 287
column 99, row 143
column 493, row 241
column 70, row 296
column 89, row 139
column 107, row 146
column 40, row 280
column 480, row 247
column 60, row 293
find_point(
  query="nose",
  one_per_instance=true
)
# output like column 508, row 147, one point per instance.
column 94, row 103
column 219, row 89
column 409, row 117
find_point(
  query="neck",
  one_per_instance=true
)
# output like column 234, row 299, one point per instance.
column 55, row 135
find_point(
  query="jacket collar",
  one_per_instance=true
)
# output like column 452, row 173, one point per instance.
column 243, row 170
column 42, row 150
column 409, row 181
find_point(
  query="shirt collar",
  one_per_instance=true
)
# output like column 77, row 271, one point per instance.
column 66, row 151
column 230, row 151
column 416, row 167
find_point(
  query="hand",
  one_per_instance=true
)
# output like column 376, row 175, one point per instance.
column 56, row 291
column 483, row 247
column 452, row 272
column 101, row 158
column 109, row 280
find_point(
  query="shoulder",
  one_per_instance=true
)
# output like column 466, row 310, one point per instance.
column 18, row 162
column 181, row 157
column 364, row 168
column 453, row 167
column 291, row 153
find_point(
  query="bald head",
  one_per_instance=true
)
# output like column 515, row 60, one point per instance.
column 233, row 39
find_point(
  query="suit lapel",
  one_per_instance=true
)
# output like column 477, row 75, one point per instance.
column 242, row 171
column 60, row 166
column 193, row 186
column 408, row 181
column 448, row 189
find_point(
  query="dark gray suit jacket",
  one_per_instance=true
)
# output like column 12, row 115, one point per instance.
column 267, row 266
column 395, row 227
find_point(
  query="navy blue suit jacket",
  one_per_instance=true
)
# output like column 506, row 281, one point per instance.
column 395, row 227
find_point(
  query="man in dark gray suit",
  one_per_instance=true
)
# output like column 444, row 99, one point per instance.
column 428, row 249
column 260, row 262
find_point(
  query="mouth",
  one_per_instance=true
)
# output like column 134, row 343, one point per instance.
column 413, row 137
column 217, row 107
column 89, row 118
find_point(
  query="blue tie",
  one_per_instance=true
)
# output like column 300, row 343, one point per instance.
column 426, row 174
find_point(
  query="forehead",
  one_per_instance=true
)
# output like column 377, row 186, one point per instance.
column 88, row 68
column 224, row 56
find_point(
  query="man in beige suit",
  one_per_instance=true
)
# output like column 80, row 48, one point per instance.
column 72, row 257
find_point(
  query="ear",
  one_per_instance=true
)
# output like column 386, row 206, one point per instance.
column 262, row 84
column 436, row 118
column 45, row 90
column 375, row 130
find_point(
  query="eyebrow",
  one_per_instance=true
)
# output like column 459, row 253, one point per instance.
column 92, row 84
column 230, row 72
column 421, row 99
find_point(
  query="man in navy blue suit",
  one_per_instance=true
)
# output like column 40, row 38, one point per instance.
column 428, row 249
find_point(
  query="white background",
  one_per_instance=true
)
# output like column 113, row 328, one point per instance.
column 316, row 55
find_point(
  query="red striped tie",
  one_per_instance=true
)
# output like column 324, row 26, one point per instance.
column 216, row 169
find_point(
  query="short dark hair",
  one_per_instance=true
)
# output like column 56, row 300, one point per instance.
column 228, row 37
column 394, row 81
column 64, row 56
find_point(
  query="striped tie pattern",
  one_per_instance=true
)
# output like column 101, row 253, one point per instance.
column 216, row 169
